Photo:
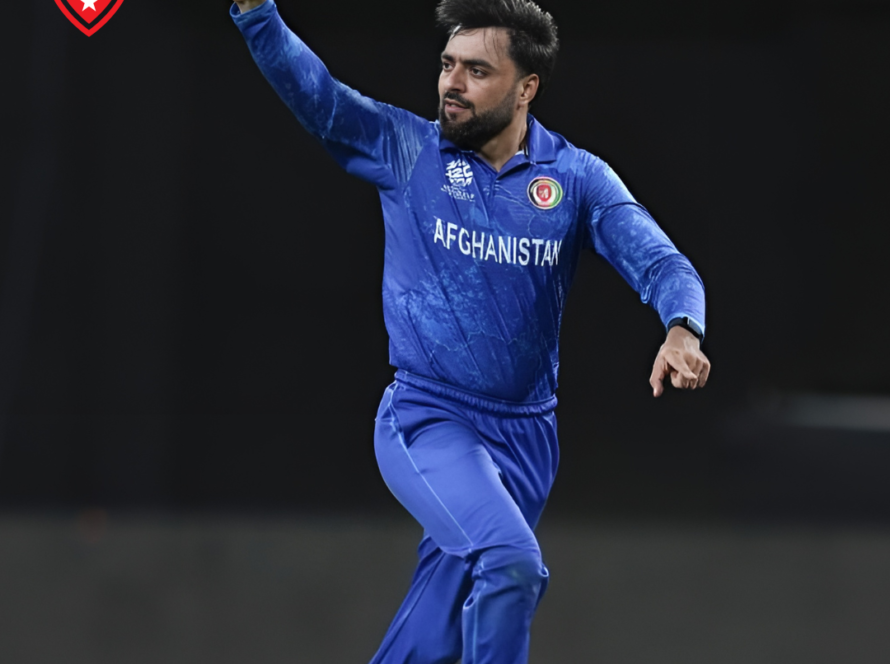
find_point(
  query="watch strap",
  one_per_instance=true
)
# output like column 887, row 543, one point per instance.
column 687, row 323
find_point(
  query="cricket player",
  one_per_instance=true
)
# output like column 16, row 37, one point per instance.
column 486, row 213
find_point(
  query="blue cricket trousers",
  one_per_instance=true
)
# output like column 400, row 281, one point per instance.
column 476, row 473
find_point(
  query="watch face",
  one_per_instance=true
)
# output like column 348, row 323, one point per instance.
column 693, row 327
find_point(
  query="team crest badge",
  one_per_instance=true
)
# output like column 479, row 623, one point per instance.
column 89, row 16
column 545, row 193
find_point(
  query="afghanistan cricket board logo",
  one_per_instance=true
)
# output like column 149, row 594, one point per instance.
column 545, row 193
column 89, row 16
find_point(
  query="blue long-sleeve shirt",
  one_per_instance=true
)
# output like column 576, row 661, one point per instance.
column 477, row 263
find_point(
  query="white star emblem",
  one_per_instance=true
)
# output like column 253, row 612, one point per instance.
column 89, row 3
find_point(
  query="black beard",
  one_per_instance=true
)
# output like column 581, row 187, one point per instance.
column 474, row 132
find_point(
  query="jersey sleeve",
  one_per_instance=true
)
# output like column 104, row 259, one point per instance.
column 374, row 141
column 624, row 233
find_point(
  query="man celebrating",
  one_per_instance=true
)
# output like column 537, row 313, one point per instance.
column 486, row 213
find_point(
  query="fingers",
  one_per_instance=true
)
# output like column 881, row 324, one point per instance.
column 684, row 379
column 682, row 375
column 703, row 376
column 659, row 371
column 687, row 371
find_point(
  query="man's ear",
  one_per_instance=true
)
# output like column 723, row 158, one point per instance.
column 529, row 88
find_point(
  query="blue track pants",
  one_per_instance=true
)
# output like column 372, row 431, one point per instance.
column 475, row 473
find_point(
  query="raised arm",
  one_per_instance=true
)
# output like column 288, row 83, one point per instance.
column 624, row 233
column 374, row 141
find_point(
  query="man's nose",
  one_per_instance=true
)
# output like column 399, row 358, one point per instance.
column 454, row 80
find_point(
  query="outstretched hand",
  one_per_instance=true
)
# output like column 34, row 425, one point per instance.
column 680, row 358
column 247, row 5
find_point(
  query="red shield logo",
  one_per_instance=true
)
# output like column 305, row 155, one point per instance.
column 89, row 16
column 545, row 193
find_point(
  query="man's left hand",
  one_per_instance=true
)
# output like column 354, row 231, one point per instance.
column 680, row 358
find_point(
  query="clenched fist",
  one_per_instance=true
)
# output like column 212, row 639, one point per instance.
column 682, row 359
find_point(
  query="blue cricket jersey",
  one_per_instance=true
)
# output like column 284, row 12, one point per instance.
column 477, row 263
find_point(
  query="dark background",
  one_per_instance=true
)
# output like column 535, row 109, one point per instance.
column 190, row 313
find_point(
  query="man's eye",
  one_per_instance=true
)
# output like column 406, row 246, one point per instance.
column 477, row 72
column 446, row 66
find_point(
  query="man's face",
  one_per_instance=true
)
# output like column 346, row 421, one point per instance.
column 478, row 87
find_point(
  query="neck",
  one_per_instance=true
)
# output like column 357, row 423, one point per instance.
column 500, row 149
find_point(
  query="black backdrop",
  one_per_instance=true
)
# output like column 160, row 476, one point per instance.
column 190, row 314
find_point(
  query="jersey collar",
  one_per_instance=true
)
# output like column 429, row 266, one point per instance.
column 541, row 144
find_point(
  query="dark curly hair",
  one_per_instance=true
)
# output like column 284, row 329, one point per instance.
column 533, row 40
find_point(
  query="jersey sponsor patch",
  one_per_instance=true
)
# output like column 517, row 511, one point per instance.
column 545, row 193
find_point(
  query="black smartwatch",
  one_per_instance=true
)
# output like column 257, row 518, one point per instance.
column 687, row 323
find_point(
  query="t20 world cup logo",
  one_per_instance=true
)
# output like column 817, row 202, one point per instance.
column 89, row 16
